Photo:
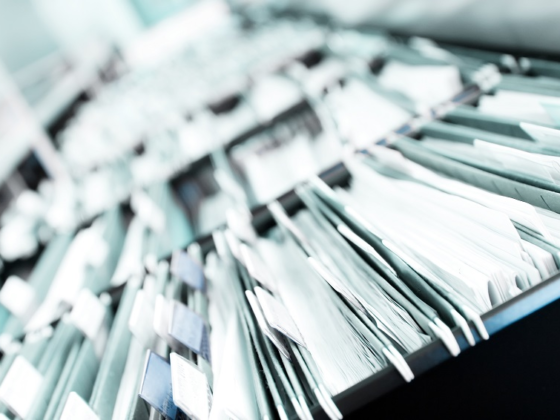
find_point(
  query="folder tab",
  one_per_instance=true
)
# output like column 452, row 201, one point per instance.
column 20, row 387
column 141, row 319
column 76, row 408
column 188, row 270
column 190, row 388
column 188, row 328
column 88, row 314
column 19, row 297
column 156, row 386
column 278, row 316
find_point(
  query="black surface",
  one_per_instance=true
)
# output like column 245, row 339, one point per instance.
column 514, row 375
column 32, row 171
column 65, row 115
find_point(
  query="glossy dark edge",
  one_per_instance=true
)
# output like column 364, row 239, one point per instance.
column 336, row 175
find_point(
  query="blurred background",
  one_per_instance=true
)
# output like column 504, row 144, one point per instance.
column 99, row 99
column 32, row 30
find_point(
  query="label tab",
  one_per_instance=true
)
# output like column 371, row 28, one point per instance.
column 190, row 388
column 148, row 211
column 20, row 387
column 88, row 314
column 155, row 388
column 162, row 318
column 141, row 318
column 278, row 316
column 188, row 270
column 18, row 297
column 188, row 328
column 272, row 334
column 256, row 268
column 77, row 408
